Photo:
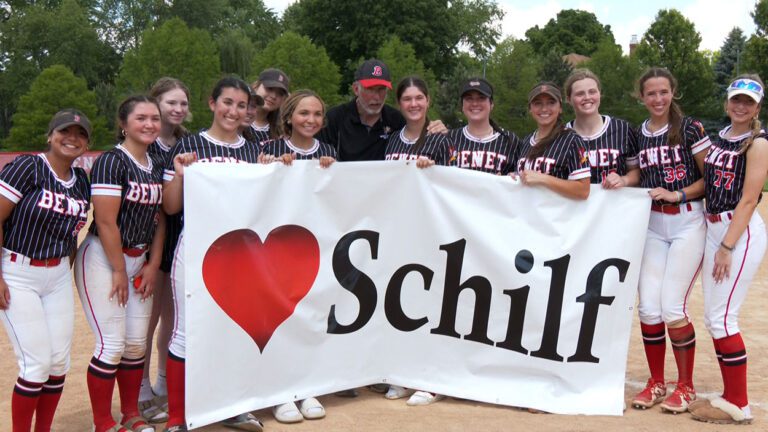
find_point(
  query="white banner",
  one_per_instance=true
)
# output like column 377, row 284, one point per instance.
column 304, row 281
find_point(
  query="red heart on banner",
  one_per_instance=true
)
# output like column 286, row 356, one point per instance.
column 258, row 285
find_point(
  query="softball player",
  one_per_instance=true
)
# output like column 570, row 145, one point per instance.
column 412, row 141
column 611, row 143
column 43, row 206
column 126, row 191
column 301, row 117
column 734, row 175
column 552, row 156
column 272, row 87
column 219, row 144
column 481, row 145
column 671, row 151
column 173, row 98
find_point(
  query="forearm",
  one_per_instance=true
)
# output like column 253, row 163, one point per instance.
column 573, row 189
column 742, row 214
column 693, row 191
column 173, row 195
column 156, row 249
column 632, row 178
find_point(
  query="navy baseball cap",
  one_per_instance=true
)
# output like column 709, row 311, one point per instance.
column 373, row 72
column 479, row 85
column 68, row 117
column 274, row 78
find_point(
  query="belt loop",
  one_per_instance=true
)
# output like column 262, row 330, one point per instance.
column 13, row 256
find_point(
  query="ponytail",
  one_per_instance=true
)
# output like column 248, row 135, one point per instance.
column 675, row 136
column 755, row 129
column 422, row 138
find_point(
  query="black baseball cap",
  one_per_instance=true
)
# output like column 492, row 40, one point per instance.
column 68, row 117
column 545, row 87
column 373, row 72
column 479, row 85
column 274, row 78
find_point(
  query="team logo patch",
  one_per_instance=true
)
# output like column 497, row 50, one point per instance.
column 474, row 83
column 80, row 225
column 258, row 284
column 699, row 126
column 377, row 71
column 77, row 118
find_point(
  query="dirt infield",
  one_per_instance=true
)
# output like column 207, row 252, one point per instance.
column 371, row 412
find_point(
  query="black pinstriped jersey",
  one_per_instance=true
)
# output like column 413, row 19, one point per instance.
column 613, row 149
column 282, row 146
column 261, row 133
column 48, row 212
column 436, row 147
column 666, row 166
column 565, row 158
column 493, row 154
column 724, row 172
column 117, row 173
column 159, row 151
column 211, row 150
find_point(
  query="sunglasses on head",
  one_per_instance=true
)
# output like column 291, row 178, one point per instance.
column 746, row 84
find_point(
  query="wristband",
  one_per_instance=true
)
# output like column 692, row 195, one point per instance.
column 684, row 197
column 726, row 247
column 678, row 196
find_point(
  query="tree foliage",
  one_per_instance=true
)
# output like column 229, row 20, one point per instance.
column 435, row 28
column 236, row 53
column 54, row 89
column 174, row 50
column 122, row 22
column 673, row 42
column 308, row 66
column 617, row 74
column 513, row 70
column 728, row 62
column 571, row 31
column 400, row 58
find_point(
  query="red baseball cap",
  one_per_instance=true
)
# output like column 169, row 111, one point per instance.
column 372, row 73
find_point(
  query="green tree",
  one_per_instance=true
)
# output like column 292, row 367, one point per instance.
column 554, row 68
column 728, row 63
column 445, row 98
column 571, row 31
column 755, row 58
column 174, row 50
column 122, row 22
column 54, row 89
column 308, row 66
column 236, row 52
column 673, row 42
column 513, row 70
column 435, row 28
column 401, row 60
column 617, row 74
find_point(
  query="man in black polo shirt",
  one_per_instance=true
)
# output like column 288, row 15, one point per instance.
column 359, row 129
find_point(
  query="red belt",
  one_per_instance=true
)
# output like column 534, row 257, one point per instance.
column 719, row 217
column 49, row 262
column 134, row 252
column 671, row 209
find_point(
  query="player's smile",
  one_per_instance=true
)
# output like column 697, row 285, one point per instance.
column 657, row 97
column 414, row 104
column 476, row 106
column 70, row 142
column 545, row 110
column 273, row 97
column 229, row 110
column 174, row 106
column 143, row 123
column 585, row 96
column 307, row 118
column 742, row 109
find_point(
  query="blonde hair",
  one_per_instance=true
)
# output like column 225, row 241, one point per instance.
column 289, row 106
column 578, row 75
column 164, row 85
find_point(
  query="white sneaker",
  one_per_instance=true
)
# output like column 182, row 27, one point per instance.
column 287, row 413
column 424, row 398
column 397, row 392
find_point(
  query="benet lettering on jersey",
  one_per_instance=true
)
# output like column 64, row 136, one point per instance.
column 604, row 157
column 537, row 163
column 661, row 155
column 481, row 159
column 144, row 193
column 63, row 204
column 721, row 158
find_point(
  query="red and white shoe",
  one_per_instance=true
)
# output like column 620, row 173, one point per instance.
column 653, row 393
column 679, row 400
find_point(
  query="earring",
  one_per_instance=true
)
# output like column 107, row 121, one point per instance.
column 122, row 131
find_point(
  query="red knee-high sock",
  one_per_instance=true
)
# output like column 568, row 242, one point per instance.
column 129, row 375
column 175, row 381
column 684, row 347
column 655, row 344
column 23, row 404
column 720, row 363
column 101, row 384
column 734, row 369
column 49, row 400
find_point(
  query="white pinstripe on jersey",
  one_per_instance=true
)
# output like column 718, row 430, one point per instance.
column 436, row 147
column 724, row 172
column 48, row 212
column 261, row 133
column 281, row 146
column 662, row 165
column 117, row 173
column 159, row 151
column 493, row 154
column 565, row 158
column 613, row 149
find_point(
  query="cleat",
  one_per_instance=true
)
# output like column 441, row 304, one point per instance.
column 652, row 394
